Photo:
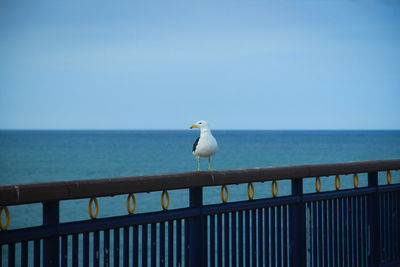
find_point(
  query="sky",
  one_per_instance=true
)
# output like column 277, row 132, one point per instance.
column 250, row 64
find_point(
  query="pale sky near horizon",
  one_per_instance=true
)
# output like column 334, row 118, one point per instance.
column 165, row 65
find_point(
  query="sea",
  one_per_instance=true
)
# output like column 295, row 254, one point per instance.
column 30, row 156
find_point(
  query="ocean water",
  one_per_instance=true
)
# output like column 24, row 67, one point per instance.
column 39, row 156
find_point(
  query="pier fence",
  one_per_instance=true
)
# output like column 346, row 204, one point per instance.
column 357, row 226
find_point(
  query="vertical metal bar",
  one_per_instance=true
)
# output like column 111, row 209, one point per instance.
column 298, row 224
column 393, row 224
column 335, row 230
column 226, row 237
column 389, row 226
column 75, row 255
column 219, row 240
column 273, row 240
column 325, row 226
column 116, row 247
column 187, row 244
column 153, row 244
column 144, row 245
column 179, row 242
column 205, row 238
column 340, row 224
column 260, row 237
column 253, row 237
column 86, row 249
column 106, row 247
column 36, row 253
column 126, row 246
column 354, row 225
column 397, row 201
column 64, row 251
column 240, row 232
column 266, row 236
column 24, row 254
column 363, row 232
column 330, row 225
column 319, row 225
column 51, row 218
column 135, row 245
column 162, row 244
column 233, row 240
column 350, row 229
column 11, row 254
column 278, row 235
column 96, row 249
column 373, row 221
column 212, row 240
column 196, row 241
column 359, row 231
column 170, row 244
column 285, row 236
column 345, row 233
column 247, row 237
column 314, row 233
column 382, row 208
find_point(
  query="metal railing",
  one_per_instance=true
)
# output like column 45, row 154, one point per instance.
column 359, row 226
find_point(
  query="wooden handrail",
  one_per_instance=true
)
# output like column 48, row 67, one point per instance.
column 75, row 189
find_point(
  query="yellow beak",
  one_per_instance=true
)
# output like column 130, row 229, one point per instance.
column 193, row 126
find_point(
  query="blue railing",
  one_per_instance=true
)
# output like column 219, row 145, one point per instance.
column 357, row 226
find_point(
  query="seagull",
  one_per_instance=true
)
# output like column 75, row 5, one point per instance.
column 205, row 146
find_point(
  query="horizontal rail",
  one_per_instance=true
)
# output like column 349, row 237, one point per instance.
column 62, row 190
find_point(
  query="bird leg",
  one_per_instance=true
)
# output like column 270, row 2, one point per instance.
column 198, row 160
column 209, row 165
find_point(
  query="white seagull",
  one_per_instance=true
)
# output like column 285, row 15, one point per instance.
column 205, row 146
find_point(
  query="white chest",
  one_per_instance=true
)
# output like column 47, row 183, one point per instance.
column 206, row 147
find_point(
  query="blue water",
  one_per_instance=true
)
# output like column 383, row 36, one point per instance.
column 38, row 156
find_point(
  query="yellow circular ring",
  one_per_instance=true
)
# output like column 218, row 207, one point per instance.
column 337, row 182
column 318, row 184
column 128, row 203
column 224, row 193
column 4, row 227
column 166, row 195
column 274, row 188
column 96, row 208
column 355, row 180
column 389, row 177
column 250, row 187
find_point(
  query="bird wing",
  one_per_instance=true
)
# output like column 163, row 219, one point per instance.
column 195, row 144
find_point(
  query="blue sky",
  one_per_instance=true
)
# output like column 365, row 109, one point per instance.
column 166, row 64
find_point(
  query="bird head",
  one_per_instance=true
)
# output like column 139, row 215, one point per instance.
column 199, row 124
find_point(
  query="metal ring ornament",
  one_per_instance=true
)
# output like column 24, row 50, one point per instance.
column 274, row 188
column 166, row 195
column 355, row 180
column 224, row 193
column 250, row 190
column 389, row 177
column 318, row 184
column 337, row 182
column 5, row 226
column 128, row 203
column 96, row 208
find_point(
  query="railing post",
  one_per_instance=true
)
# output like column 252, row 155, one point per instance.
column 373, row 222
column 51, row 217
column 196, row 241
column 298, row 226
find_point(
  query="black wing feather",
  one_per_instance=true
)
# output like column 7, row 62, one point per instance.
column 195, row 144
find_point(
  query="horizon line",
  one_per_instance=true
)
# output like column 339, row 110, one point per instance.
column 180, row 129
